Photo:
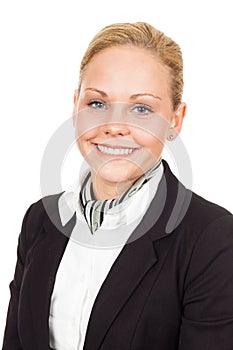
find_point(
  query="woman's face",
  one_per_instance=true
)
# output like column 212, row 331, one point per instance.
column 123, row 113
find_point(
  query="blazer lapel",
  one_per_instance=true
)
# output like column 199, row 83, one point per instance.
column 134, row 261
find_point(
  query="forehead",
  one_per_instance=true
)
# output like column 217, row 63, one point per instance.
column 122, row 56
column 126, row 66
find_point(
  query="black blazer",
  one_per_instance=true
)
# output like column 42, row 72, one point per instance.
column 169, row 289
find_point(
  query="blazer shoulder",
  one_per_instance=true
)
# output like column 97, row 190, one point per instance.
column 190, row 210
column 38, row 209
column 202, row 212
column 36, row 214
column 206, row 207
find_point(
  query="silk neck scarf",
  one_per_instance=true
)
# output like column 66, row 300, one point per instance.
column 94, row 210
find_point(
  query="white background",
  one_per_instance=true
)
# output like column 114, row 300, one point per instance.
column 42, row 43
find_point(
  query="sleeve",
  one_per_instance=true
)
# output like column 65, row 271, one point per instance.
column 207, row 321
column 11, row 339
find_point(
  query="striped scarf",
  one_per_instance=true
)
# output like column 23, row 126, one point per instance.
column 94, row 210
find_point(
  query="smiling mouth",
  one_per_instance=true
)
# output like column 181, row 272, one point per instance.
column 115, row 151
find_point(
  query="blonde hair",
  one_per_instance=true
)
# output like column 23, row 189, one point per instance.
column 142, row 35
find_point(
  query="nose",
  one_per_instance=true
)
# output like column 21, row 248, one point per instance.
column 116, row 123
column 115, row 129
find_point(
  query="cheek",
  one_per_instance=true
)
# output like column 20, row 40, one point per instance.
column 83, row 142
column 85, row 129
column 153, row 146
column 88, row 123
column 152, row 131
column 151, row 139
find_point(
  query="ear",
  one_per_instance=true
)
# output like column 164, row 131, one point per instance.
column 74, row 114
column 177, row 121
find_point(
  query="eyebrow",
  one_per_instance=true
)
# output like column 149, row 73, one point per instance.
column 132, row 97
column 97, row 90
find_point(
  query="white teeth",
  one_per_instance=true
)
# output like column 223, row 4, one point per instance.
column 115, row 151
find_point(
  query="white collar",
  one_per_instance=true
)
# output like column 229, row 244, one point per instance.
column 123, row 213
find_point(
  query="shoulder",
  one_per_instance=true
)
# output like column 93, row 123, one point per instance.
column 189, row 209
column 37, row 213
column 37, row 210
column 205, row 233
column 195, row 220
column 202, row 213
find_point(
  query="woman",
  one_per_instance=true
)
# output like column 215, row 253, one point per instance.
column 131, row 259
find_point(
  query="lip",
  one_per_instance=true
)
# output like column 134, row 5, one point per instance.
column 115, row 147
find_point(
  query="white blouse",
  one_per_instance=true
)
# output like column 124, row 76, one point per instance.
column 84, row 266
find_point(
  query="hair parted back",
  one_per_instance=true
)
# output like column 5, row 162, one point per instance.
column 142, row 35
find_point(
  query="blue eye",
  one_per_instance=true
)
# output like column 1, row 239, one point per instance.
column 142, row 109
column 97, row 104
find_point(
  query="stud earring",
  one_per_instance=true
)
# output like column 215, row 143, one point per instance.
column 171, row 137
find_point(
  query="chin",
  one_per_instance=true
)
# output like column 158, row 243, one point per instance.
column 117, row 174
